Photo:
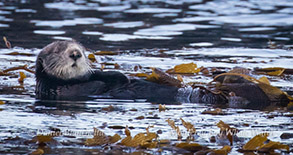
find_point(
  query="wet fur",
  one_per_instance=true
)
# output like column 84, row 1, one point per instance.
column 57, row 79
column 54, row 61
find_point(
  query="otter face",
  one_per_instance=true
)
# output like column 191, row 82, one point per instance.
column 64, row 60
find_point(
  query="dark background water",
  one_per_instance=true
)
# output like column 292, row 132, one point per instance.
column 169, row 24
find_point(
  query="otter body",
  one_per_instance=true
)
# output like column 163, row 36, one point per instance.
column 104, row 84
column 63, row 72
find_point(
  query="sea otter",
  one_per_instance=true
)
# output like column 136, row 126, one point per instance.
column 64, row 72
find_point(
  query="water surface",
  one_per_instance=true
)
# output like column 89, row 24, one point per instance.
column 146, row 33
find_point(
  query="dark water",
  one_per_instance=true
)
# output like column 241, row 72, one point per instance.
column 210, row 33
column 137, row 24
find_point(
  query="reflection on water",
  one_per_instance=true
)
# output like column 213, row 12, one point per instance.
column 147, row 33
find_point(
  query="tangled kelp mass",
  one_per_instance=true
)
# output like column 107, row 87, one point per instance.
column 199, row 44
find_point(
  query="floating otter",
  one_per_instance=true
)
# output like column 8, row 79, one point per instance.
column 63, row 72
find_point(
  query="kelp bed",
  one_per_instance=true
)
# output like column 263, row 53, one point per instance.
column 102, row 126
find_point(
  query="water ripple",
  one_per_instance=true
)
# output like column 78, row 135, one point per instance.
column 49, row 32
column 73, row 22
column 153, row 10
column 125, row 24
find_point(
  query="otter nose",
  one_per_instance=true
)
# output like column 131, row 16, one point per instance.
column 75, row 55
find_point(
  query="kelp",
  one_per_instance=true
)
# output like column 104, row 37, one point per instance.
column 273, row 71
column 227, row 131
column 7, row 43
column 109, row 108
column 43, row 140
column 254, row 90
column 100, row 138
column 193, row 147
column 261, row 143
column 105, row 53
column 223, row 151
column 171, row 123
column 140, row 75
column 24, row 67
column 190, row 68
column 21, row 78
column 92, row 58
column 38, row 151
column 162, row 108
column 21, row 54
column 144, row 140
column 161, row 77
column 189, row 127
column 141, row 139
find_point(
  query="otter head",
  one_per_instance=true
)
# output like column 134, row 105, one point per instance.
column 64, row 60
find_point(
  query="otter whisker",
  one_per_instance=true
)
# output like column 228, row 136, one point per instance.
column 90, row 70
column 57, row 69
column 48, row 68
column 51, row 66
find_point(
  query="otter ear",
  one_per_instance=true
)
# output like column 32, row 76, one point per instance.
column 39, row 65
column 51, row 48
column 40, row 60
